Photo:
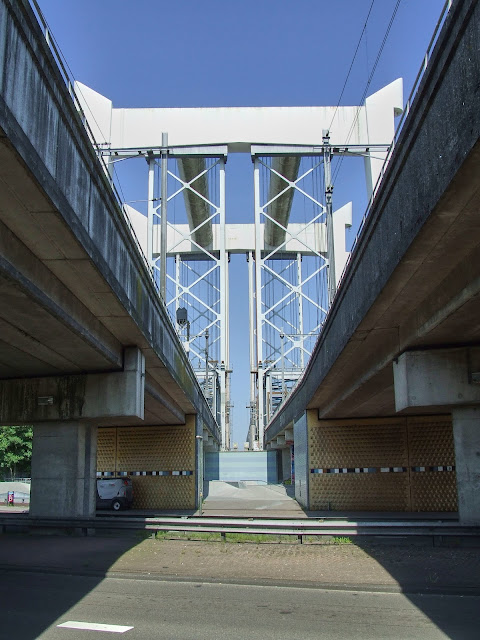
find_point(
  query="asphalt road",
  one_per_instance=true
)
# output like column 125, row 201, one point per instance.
column 32, row 605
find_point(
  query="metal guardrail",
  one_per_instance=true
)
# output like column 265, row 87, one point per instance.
column 297, row 528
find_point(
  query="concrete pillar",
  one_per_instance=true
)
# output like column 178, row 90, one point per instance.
column 64, row 469
column 286, row 463
column 466, row 435
column 448, row 380
column 199, row 461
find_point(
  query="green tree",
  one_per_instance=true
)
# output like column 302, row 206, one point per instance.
column 15, row 450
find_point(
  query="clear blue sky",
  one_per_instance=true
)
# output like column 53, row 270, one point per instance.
column 185, row 53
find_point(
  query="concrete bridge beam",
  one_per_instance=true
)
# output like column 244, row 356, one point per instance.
column 436, row 378
column 448, row 380
column 91, row 396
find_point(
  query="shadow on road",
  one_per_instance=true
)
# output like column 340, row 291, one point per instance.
column 423, row 571
column 33, row 574
column 36, row 593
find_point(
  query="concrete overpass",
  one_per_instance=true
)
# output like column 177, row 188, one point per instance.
column 401, row 337
column 85, row 339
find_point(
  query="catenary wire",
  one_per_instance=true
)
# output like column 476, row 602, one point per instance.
column 352, row 63
column 365, row 91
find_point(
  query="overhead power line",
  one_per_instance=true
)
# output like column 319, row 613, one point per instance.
column 367, row 85
column 353, row 61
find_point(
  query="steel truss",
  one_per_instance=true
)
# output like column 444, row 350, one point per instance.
column 290, row 289
column 196, row 276
column 291, row 284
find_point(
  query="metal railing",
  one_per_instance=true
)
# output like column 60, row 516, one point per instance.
column 299, row 528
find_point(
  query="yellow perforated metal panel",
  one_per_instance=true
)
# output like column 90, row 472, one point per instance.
column 152, row 450
column 353, row 444
column 433, row 491
column 430, row 440
column 156, row 448
column 383, row 464
column 430, row 447
column 106, row 449
column 358, row 443
column 165, row 492
column 359, row 492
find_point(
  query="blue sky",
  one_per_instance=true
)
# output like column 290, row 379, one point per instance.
column 153, row 53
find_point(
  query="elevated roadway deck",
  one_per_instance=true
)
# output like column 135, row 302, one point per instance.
column 414, row 277
column 79, row 305
column 413, row 281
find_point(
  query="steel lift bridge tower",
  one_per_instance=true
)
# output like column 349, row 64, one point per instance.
column 294, row 243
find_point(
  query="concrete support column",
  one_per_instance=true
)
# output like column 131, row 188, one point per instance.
column 64, row 469
column 199, row 461
column 448, row 380
column 466, row 435
column 286, row 463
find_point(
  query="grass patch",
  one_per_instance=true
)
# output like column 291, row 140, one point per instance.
column 255, row 538
column 328, row 540
column 188, row 535
column 258, row 538
column 341, row 540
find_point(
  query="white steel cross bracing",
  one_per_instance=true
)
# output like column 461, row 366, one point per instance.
column 283, row 343
column 196, row 281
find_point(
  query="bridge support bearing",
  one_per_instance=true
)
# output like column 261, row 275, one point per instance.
column 64, row 465
column 448, row 378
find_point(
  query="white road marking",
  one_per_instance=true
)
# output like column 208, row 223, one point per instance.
column 94, row 626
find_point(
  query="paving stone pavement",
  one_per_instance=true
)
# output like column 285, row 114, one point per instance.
column 409, row 568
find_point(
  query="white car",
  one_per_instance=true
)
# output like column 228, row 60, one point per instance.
column 114, row 493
